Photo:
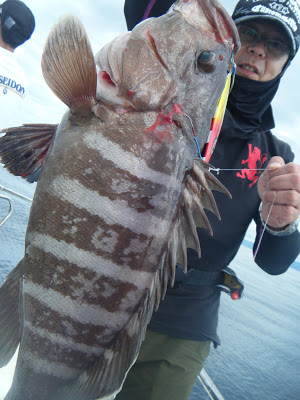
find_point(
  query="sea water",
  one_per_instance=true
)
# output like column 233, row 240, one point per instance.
column 259, row 358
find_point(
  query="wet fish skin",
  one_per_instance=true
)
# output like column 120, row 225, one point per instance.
column 146, row 69
column 118, row 200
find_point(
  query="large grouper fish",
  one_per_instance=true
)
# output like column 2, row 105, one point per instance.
column 118, row 199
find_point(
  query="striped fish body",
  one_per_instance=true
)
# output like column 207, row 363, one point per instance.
column 102, row 211
column 118, row 200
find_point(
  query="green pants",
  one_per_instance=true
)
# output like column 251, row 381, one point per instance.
column 166, row 368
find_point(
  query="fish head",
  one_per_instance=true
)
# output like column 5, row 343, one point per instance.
column 212, row 39
column 179, row 58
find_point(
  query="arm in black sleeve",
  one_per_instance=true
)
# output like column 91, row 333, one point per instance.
column 276, row 253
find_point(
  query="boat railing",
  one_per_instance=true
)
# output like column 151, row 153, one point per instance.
column 209, row 386
column 10, row 209
column 10, row 201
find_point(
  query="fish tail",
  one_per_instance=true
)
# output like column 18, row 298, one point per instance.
column 68, row 66
column 23, row 149
column 10, row 317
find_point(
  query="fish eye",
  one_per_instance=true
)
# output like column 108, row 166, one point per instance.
column 205, row 61
column 205, row 56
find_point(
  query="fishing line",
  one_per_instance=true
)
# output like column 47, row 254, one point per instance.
column 263, row 228
column 218, row 366
column 221, row 358
column 194, row 133
column 217, row 170
column 262, row 231
column 233, row 70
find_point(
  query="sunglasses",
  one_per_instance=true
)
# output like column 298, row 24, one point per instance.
column 274, row 48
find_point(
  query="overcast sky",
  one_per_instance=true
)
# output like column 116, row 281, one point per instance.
column 103, row 20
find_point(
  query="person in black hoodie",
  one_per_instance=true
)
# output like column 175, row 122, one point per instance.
column 179, row 335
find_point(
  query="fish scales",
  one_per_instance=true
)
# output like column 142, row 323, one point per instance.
column 118, row 198
column 56, row 249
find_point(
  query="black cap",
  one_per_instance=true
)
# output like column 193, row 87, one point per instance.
column 284, row 12
column 16, row 17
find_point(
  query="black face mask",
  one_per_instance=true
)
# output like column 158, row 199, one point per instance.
column 249, row 110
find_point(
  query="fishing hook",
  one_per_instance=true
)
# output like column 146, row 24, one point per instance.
column 194, row 133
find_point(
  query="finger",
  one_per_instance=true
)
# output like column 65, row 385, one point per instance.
column 289, row 181
column 284, row 197
column 275, row 163
column 263, row 181
column 286, row 169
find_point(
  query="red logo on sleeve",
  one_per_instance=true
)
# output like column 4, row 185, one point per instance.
column 255, row 162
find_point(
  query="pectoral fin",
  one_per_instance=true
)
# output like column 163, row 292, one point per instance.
column 23, row 149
